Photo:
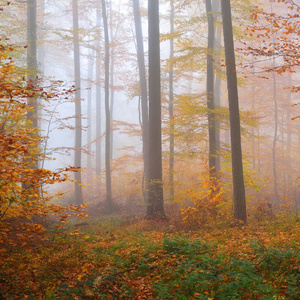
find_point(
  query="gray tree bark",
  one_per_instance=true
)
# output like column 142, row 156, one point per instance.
column 78, row 133
column 239, row 199
column 144, row 94
column 98, row 102
column 210, row 92
column 171, row 105
column 155, row 208
column 109, row 203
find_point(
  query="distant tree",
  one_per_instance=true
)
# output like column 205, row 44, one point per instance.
column 109, row 204
column 171, row 104
column 210, row 91
column 155, row 208
column 239, row 201
column 91, row 63
column 32, row 100
column 218, row 80
column 32, row 61
column 98, row 98
column 143, row 91
column 78, row 133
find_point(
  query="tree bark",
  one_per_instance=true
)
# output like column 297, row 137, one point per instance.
column 32, row 63
column 218, row 81
column 171, row 105
column 89, row 116
column 239, row 201
column 98, row 103
column 143, row 91
column 32, row 101
column 155, row 207
column 210, row 92
column 78, row 133
column 109, row 204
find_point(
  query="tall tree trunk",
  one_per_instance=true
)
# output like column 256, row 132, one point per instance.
column 32, row 61
column 98, row 102
column 112, row 71
column 32, row 102
column 144, row 96
column 218, row 80
column 78, row 133
column 156, row 202
column 210, row 92
column 41, row 47
column 171, row 105
column 253, row 107
column 239, row 201
column 275, row 126
column 275, row 134
column 289, row 130
column 89, row 116
column 109, row 204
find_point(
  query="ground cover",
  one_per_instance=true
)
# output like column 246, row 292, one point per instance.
column 132, row 258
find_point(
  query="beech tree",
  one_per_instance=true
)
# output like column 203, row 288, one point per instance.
column 78, row 134
column 155, row 206
column 171, row 104
column 144, row 94
column 32, row 102
column 98, row 98
column 109, row 204
column 210, row 91
column 239, row 201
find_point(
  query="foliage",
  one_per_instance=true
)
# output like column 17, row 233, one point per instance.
column 118, row 258
column 210, row 205
column 24, row 202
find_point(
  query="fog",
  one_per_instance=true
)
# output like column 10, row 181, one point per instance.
column 269, row 114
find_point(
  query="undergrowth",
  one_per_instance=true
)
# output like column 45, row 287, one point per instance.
column 119, row 258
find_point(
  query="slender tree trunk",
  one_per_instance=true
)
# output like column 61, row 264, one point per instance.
column 32, row 102
column 275, row 126
column 218, row 80
column 32, row 62
column 98, row 103
column 109, row 204
column 156, row 202
column 78, row 133
column 289, row 131
column 239, row 201
column 171, row 105
column 275, row 134
column 253, row 107
column 89, row 116
column 41, row 47
column 144, row 96
column 112, row 78
column 210, row 92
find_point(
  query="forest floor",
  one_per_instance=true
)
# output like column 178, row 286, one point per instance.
column 131, row 258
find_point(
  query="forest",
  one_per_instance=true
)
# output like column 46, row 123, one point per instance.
column 149, row 149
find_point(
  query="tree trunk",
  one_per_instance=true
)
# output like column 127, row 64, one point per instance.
column 112, row 91
column 171, row 105
column 210, row 92
column 78, row 133
column 32, row 61
column 144, row 96
column 32, row 102
column 109, row 204
column 276, row 125
column 98, row 103
column 156, row 203
column 218, row 81
column 239, row 201
column 89, row 116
